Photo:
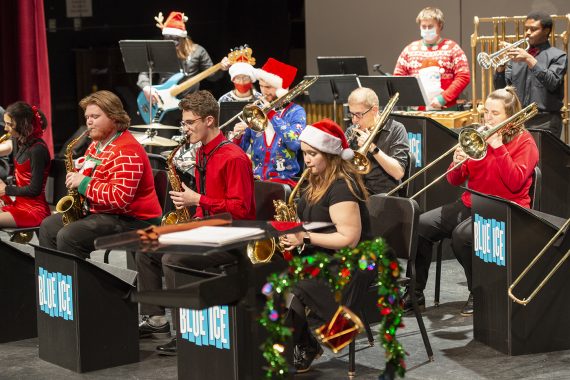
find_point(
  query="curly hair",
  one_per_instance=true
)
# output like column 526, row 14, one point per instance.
column 111, row 105
column 202, row 103
column 25, row 119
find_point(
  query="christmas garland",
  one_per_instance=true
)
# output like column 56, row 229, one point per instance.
column 366, row 256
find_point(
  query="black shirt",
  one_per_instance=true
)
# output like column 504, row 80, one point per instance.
column 38, row 154
column 392, row 140
column 319, row 212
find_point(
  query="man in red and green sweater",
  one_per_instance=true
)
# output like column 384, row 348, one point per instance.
column 114, row 178
column 442, row 52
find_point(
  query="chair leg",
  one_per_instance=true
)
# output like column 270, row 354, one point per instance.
column 351, row 360
column 438, row 272
column 421, row 326
column 369, row 334
column 106, row 256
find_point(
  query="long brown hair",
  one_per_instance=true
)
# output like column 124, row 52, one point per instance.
column 336, row 168
column 185, row 48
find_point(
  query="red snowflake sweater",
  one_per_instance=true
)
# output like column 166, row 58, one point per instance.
column 450, row 57
column 119, row 179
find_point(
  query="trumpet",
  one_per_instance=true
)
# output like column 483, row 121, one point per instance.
column 473, row 143
column 525, row 301
column 500, row 57
column 360, row 161
column 255, row 115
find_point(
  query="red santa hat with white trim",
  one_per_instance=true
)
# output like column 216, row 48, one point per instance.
column 277, row 74
column 174, row 24
column 327, row 136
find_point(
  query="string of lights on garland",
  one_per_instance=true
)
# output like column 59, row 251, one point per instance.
column 366, row 256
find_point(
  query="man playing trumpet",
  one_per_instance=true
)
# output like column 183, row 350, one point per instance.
column 537, row 74
column 388, row 155
column 274, row 151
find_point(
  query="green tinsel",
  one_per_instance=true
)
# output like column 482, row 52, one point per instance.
column 366, row 255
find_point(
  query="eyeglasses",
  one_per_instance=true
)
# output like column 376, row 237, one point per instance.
column 358, row 115
column 189, row 123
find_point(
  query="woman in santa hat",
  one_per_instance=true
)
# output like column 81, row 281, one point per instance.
column 335, row 193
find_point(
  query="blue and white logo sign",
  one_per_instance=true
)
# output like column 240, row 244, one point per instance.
column 415, row 140
column 489, row 240
column 207, row 327
column 55, row 292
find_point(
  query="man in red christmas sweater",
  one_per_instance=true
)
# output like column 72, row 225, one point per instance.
column 432, row 50
column 114, row 178
column 224, row 180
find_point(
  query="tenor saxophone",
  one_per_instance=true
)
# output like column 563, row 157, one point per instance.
column 261, row 251
column 180, row 215
column 71, row 205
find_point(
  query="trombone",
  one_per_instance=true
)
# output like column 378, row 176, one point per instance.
column 500, row 57
column 525, row 301
column 255, row 115
column 473, row 144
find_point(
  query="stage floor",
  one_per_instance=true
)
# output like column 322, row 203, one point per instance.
column 457, row 355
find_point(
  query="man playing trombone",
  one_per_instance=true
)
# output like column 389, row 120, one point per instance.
column 388, row 155
column 504, row 171
column 537, row 74
column 274, row 150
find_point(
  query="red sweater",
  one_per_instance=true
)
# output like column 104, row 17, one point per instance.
column 119, row 179
column 229, row 180
column 505, row 172
column 455, row 76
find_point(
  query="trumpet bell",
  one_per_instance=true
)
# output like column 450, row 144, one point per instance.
column 484, row 60
column 254, row 117
column 261, row 251
column 473, row 143
column 361, row 162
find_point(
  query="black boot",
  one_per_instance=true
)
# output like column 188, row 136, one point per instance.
column 168, row 348
column 303, row 356
column 407, row 299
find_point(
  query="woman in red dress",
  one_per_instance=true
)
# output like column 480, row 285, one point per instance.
column 24, row 203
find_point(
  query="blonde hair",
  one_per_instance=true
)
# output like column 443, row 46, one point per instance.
column 512, row 105
column 364, row 95
column 431, row 13
column 336, row 168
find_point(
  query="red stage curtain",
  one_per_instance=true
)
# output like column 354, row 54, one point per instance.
column 24, row 66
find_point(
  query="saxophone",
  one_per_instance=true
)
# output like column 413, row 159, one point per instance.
column 71, row 205
column 181, row 215
column 5, row 137
column 261, row 251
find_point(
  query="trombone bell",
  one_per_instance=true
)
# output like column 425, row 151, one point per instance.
column 473, row 143
column 254, row 117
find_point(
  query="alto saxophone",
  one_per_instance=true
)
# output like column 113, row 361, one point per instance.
column 5, row 137
column 71, row 205
column 261, row 251
column 180, row 215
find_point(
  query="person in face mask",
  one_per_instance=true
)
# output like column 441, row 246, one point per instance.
column 193, row 60
column 454, row 73
column 242, row 76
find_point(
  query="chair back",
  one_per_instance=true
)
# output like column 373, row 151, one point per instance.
column 157, row 161
column 409, row 171
column 395, row 219
column 162, row 186
column 535, row 189
column 265, row 193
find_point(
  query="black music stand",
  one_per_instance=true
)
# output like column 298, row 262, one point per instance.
column 411, row 90
column 229, row 110
column 151, row 56
column 332, row 89
column 342, row 65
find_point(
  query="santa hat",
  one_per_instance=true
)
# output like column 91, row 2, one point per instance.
column 174, row 24
column 277, row 74
column 328, row 137
column 242, row 68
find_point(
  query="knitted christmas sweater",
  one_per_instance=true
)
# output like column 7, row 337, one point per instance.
column 451, row 59
column 119, row 179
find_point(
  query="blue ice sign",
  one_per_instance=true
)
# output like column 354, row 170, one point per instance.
column 207, row 327
column 55, row 293
column 489, row 240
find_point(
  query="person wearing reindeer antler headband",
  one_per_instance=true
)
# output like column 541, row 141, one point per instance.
column 193, row 57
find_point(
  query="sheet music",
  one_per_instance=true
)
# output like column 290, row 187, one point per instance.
column 212, row 236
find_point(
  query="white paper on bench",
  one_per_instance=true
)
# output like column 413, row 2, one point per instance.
column 211, row 236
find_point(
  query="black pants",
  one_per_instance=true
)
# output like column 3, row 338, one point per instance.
column 79, row 237
column 453, row 221
column 317, row 296
column 151, row 266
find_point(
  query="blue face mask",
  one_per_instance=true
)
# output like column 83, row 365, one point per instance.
column 428, row 34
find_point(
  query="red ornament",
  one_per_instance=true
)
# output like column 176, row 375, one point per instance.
column 393, row 265
column 385, row 311
column 315, row 272
column 388, row 337
column 288, row 255
column 345, row 272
